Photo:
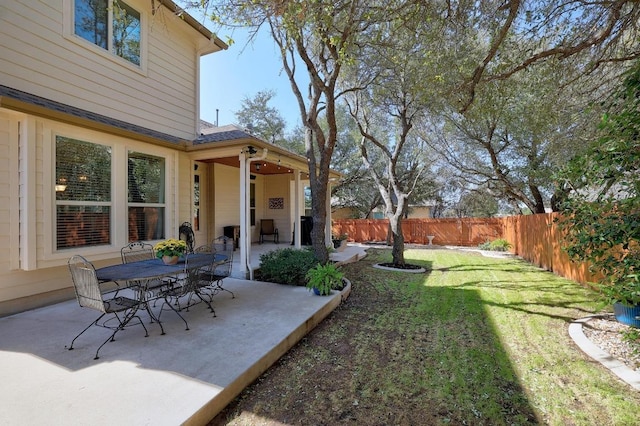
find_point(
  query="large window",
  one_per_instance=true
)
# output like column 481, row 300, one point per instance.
column 83, row 193
column 146, row 199
column 110, row 24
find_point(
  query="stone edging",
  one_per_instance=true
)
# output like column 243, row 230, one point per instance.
column 408, row 271
column 617, row 367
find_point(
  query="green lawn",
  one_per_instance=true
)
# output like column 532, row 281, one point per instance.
column 475, row 340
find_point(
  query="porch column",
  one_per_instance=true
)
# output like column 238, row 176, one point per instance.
column 327, row 219
column 245, row 214
column 244, row 217
column 296, row 210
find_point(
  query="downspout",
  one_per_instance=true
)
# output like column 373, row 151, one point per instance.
column 247, row 235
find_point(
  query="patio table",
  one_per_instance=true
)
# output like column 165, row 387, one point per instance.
column 143, row 272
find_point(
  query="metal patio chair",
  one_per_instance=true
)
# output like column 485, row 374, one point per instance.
column 185, row 233
column 267, row 227
column 89, row 295
column 221, row 270
column 137, row 251
column 185, row 287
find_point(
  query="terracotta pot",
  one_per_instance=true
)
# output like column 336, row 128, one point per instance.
column 170, row 260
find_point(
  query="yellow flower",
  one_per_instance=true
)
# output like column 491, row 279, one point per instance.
column 170, row 247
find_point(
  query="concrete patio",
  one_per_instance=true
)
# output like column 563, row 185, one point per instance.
column 183, row 377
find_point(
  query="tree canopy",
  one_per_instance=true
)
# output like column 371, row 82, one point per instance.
column 602, row 205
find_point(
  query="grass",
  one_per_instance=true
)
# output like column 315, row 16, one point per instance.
column 475, row 340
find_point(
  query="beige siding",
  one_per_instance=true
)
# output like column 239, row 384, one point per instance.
column 8, row 144
column 34, row 272
column 36, row 57
column 277, row 186
column 227, row 194
column 185, row 201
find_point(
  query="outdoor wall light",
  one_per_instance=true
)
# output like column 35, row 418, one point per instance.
column 258, row 165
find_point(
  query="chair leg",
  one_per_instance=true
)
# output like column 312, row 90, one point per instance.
column 213, row 311
column 88, row 327
column 168, row 303
column 123, row 323
column 220, row 288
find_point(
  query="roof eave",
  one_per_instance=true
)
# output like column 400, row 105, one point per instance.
column 214, row 45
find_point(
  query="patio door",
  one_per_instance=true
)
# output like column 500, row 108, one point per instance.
column 199, row 203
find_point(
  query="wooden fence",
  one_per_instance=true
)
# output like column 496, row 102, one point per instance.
column 536, row 238
column 458, row 232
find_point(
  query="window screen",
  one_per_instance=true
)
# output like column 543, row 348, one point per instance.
column 146, row 199
column 122, row 37
column 83, row 193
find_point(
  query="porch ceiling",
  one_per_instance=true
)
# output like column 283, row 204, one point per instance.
column 266, row 167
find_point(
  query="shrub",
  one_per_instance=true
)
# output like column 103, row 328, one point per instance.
column 499, row 244
column 286, row 266
column 601, row 207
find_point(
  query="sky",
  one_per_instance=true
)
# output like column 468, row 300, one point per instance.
column 229, row 76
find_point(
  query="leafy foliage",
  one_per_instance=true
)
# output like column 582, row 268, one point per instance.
column 170, row 247
column 499, row 244
column 602, row 210
column 262, row 120
column 324, row 278
column 286, row 266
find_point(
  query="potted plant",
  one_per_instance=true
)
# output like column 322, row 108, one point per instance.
column 324, row 278
column 170, row 250
column 624, row 294
column 339, row 241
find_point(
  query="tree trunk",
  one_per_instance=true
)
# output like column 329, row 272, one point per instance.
column 397, row 252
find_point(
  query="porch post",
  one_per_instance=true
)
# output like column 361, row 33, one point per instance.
column 327, row 219
column 296, row 190
column 244, row 218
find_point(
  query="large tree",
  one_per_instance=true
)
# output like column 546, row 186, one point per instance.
column 529, row 33
column 495, row 40
column 259, row 118
column 316, row 39
column 518, row 132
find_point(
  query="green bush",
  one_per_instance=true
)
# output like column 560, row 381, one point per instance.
column 601, row 205
column 499, row 244
column 324, row 278
column 286, row 266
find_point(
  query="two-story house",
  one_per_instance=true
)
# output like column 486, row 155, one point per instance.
column 100, row 143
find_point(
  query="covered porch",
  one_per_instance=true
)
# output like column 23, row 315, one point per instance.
column 239, row 181
column 183, row 377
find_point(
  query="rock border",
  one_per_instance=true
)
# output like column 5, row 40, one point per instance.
column 615, row 366
column 408, row 271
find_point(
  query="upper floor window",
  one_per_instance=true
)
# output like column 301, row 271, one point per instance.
column 110, row 24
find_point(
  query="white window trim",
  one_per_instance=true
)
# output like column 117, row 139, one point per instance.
column 68, row 32
column 120, row 147
column 165, row 205
column 49, row 198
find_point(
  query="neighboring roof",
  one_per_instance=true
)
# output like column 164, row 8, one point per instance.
column 222, row 133
column 29, row 103
column 181, row 13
